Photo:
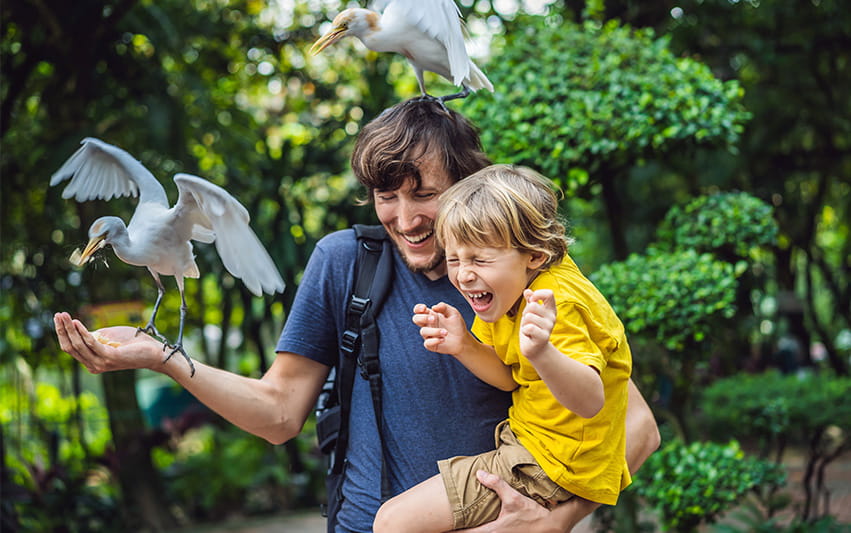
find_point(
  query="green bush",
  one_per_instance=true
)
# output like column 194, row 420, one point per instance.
column 690, row 485
column 730, row 224
column 675, row 298
column 218, row 471
column 765, row 406
column 775, row 409
column 571, row 99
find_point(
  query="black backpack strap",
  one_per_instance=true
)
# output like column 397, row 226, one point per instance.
column 370, row 366
column 358, row 348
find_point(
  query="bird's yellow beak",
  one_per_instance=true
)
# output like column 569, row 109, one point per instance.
column 328, row 39
column 95, row 244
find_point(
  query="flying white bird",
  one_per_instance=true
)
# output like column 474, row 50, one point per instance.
column 427, row 32
column 158, row 236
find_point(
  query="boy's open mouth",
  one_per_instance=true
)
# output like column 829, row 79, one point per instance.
column 480, row 300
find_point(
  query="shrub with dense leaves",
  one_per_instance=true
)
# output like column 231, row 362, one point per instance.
column 731, row 224
column 572, row 99
column 689, row 485
column 775, row 409
column 675, row 297
column 769, row 404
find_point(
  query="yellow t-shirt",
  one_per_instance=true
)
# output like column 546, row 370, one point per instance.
column 586, row 456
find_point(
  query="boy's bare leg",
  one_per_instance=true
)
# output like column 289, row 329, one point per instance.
column 423, row 508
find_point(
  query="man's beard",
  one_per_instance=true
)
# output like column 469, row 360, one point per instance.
column 439, row 257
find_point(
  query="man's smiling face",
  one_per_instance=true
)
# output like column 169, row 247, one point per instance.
column 408, row 213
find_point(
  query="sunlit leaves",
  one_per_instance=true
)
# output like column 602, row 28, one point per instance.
column 675, row 298
column 734, row 223
column 689, row 485
column 589, row 96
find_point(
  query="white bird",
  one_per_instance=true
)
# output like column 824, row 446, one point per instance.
column 158, row 236
column 427, row 32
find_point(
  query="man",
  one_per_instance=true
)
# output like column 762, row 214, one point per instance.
column 433, row 407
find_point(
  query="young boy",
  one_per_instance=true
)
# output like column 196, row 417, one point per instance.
column 542, row 330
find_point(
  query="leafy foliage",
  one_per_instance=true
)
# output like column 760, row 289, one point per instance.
column 675, row 298
column 218, row 471
column 730, row 224
column 219, row 89
column 693, row 484
column 54, row 460
column 775, row 409
column 795, row 151
column 766, row 405
column 573, row 100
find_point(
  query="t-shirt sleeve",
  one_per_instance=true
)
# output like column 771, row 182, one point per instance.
column 317, row 313
column 482, row 331
column 579, row 335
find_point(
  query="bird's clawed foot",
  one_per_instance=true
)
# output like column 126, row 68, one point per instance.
column 443, row 99
column 178, row 347
column 461, row 94
column 151, row 330
column 429, row 98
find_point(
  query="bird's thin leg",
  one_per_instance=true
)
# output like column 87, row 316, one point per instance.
column 178, row 346
column 421, row 81
column 150, row 328
column 461, row 94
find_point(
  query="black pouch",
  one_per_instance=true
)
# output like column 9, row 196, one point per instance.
column 328, row 428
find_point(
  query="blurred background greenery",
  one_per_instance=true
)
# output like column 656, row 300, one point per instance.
column 703, row 146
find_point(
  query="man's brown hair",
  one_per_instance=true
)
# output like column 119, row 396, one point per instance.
column 389, row 147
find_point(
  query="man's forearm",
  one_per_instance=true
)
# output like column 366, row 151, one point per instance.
column 642, row 433
column 573, row 511
column 267, row 407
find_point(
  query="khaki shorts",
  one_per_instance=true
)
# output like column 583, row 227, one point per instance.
column 474, row 504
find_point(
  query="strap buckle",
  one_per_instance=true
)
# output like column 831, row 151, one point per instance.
column 358, row 305
column 349, row 341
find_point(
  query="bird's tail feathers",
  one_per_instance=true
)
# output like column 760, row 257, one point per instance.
column 476, row 79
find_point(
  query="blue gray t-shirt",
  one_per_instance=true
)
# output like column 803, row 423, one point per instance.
column 434, row 408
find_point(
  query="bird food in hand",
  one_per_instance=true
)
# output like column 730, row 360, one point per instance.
column 104, row 340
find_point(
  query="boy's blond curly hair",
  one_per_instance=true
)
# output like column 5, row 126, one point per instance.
column 504, row 206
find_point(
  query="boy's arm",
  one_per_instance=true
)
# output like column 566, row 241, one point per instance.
column 522, row 515
column 576, row 385
column 444, row 331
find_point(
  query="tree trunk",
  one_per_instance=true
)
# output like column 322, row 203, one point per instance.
column 614, row 213
column 141, row 486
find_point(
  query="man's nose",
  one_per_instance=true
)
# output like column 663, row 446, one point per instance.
column 409, row 215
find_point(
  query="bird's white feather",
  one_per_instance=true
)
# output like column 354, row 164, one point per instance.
column 212, row 208
column 440, row 20
column 98, row 170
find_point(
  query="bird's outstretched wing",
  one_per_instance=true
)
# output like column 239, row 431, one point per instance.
column 102, row 171
column 441, row 20
column 212, row 208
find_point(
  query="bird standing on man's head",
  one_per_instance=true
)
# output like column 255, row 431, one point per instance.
column 158, row 236
column 427, row 32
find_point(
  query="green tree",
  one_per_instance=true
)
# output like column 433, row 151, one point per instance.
column 222, row 90
column 792, row 60
column 586, row 103
column 682, row 294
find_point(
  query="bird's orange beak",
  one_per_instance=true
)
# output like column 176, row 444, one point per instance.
column 95, row 244
column 328, row 39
